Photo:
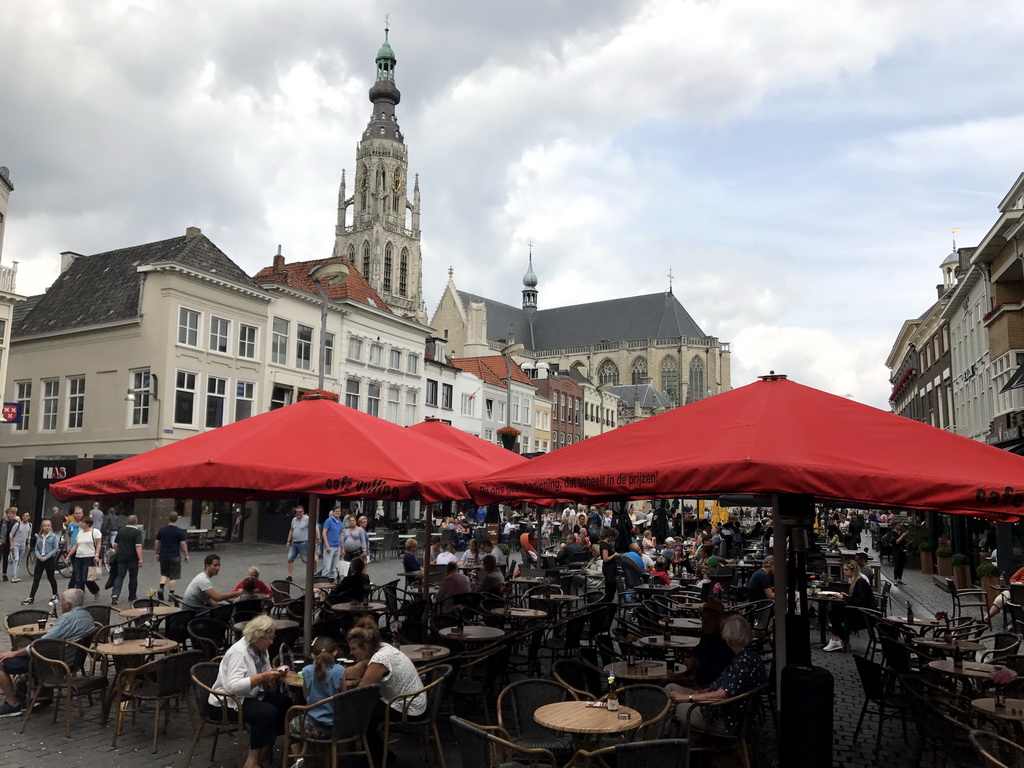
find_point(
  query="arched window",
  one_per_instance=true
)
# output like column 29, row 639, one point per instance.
column 670, row 379
column 366, row 260
column 387, row 268
column 696, row 390
column 608, row 373
column 352, row 254
column 363, row 181
column 403, row 273
column 640, row 370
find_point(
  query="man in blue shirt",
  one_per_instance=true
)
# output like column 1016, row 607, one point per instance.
column 74, row 526
column 332, row 528
column 74, row 624
column 760, row 586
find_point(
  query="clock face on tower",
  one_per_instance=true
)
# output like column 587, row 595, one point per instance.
column 364, row 183
column 397, row 186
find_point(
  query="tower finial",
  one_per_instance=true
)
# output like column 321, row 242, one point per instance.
column 387, row 26
column 954, row 230
column 670, row 279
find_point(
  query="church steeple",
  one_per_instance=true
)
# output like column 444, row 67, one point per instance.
column 383, row 238
column 530, row 287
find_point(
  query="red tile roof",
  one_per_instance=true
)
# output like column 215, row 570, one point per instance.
column 296, row 275
column 491, row 369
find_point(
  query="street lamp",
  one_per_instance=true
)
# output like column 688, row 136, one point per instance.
column 507, row 352
column 330, row 273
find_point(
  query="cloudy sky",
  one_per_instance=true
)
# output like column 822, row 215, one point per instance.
column 797, row 164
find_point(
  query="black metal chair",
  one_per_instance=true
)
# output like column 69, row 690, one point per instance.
column 209, row 636
column 399, row 721
column 878, row 693
column 100, row 613
column 653, row 703
column 50, row 667
column 1003, row 644
column 352, row 709
column 715, row 738
column 20, row 618
column 585, row 680
column 637, row 754
column 484, row 746
column 160, row 683
column 996, row 751
column 968, row 602
column 516, row 705
column 203, row 676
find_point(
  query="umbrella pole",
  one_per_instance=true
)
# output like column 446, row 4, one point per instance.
column 428, row 526
column 779, row 552
column 307, row 615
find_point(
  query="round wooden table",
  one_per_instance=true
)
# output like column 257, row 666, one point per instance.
column 472, row 633
column 685, row 624
column 971, row 670
column 1013, row 711
column 532, row 580
column 922, row 625
column 29, row 631
column 676, row 643
column 420, row 653
column 359, row 607
column 278, row 624
column 967, row 646
column 557, row 602
column 137, row 647
column 657, row 588
column 646, row 670
column 586, row 724
column 686, row 606
column 519, row 614
column 158, row 610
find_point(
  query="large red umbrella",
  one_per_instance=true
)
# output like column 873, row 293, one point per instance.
column 311, row 447
column 474, row 446
column 777, row 437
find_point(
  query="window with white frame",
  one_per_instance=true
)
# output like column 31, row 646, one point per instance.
column 395, row 359
column 447, row 396
column 515, row 408
column 489, row 407
column 216, row 397
column 280, row 397
column 431, row 392
column 245, row 399
column 247, row 341
column 355, row 348
column 410, row 407
column 501, row 410
column 376, row 353
column 412, row 364
column 219, row 332
column 328, row 353
column 303, row 347
column 373, row 399
column 392, row 415
column 279, row 342
column 140, row 394
column 527, row 410
column 467, row 405
column 352, row 393
column 188, row 327
column 23, row 397
column 489, row 434
column 51, row 388
column 185, row 398
column 76, row 401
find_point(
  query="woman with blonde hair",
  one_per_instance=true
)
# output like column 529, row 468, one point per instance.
column 858, row 595
column 254, row 573
column 384, row 665
column 245, row 672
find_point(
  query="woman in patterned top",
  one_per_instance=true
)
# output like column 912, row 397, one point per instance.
column 745, row 673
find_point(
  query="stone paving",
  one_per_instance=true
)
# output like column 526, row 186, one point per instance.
column 90, row 742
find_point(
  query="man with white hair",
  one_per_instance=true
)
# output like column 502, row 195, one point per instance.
column 74, row 624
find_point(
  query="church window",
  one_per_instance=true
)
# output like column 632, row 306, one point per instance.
column 670, row 379
column 403, row 273
column 366, row 260
column 387, row 268
column 640, row 371
column 364, row 181
column 696, row 389
column 608, row 373
column 352, row 254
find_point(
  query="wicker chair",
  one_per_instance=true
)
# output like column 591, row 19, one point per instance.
column 20, row 618
column 203, row 676
column 715, row 739
column 100, row 613
column 637, row 754
column 160, row 683
column 1003, row 644
column 399, row 722
column 516, row 705
column 996, row 751
column 653, row 703
column 208, row 635
column 50, row 665
column 478, row 745
column 352, row 713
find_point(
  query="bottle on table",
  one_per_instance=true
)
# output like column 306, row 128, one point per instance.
column 117, row 635
column 613, row 694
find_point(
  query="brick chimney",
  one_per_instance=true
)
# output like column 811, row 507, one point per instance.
column 278, row 259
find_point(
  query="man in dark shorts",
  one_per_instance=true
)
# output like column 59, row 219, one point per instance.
column 171, row 545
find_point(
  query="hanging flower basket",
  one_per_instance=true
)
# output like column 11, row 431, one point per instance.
column 320, row 394
column 508, row 437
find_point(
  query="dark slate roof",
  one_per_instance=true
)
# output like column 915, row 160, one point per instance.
column 104, row 287
column 653, row 316
column 649, row 396
column 21, row 309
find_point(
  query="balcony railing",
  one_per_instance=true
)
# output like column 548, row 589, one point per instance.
column 7, row 278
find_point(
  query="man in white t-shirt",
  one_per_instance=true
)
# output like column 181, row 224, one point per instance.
column 200, row 593
column 447, row 555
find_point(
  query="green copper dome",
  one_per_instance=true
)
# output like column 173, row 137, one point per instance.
column 385, row 51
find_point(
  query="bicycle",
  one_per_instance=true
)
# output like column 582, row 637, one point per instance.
column 63, row 567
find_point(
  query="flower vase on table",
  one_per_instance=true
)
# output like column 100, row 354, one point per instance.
column 1001, row 677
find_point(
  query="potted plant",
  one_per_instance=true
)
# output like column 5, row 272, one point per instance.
column 508, row 437
column 943, row 562
column 961, row 571
column 927, row 554
column 988, row 575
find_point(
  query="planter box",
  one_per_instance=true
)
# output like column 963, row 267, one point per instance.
column 945, row 567
column 927, row 562
column 962, row 577
column 989, row 584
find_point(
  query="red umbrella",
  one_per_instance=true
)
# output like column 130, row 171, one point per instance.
column 311, row 447
column 777, row 437
column 492, row 454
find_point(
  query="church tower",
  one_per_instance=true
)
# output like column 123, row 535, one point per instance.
column 378, row 227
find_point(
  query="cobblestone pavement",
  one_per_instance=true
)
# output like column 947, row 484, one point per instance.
column 90, row 743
